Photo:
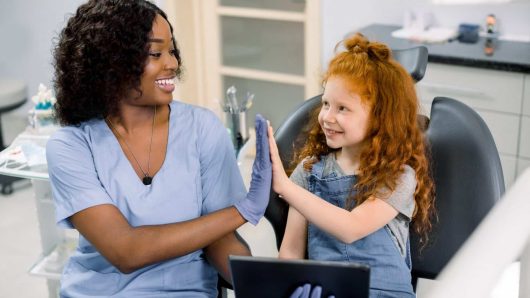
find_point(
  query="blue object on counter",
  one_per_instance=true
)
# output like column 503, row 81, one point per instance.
column 468, row 33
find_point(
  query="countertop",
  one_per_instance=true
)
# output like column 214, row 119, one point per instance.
column 508, row 55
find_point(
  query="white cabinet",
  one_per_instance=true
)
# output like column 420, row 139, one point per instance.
column 522, row 164
column 526, row 102
column 497, row 96
column 509, row 166
column 484, row 89
column 268, row 48
column 524, row 137
column 524, row 144
column 504, row 128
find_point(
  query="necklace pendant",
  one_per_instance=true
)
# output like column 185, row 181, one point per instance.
column 147, row 180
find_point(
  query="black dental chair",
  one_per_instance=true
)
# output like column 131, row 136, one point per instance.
column 468, row 178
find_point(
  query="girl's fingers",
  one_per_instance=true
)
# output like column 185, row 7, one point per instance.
column 275, row 155
column 272, row 143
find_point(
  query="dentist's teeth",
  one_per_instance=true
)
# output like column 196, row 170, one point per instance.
column 166, row 82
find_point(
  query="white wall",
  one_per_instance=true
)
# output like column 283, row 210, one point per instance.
column 342, row 16
column 27, row 27
column 26, row 31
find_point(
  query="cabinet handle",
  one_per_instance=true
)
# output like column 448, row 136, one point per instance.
column 444, row 89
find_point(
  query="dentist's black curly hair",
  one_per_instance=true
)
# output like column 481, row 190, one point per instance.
column 100, row 56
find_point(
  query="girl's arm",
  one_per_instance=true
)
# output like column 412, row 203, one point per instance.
column 295, row 238
column 347, row 226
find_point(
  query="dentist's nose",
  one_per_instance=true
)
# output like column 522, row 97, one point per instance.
column 171, row 63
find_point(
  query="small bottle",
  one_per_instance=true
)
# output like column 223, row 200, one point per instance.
column 490, row 23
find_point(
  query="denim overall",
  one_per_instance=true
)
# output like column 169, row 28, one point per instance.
column 389, row 271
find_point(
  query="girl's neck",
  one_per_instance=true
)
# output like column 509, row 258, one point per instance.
column 348, row 160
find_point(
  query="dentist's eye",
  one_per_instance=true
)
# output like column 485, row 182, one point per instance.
column 174, row 52
column 156, row 55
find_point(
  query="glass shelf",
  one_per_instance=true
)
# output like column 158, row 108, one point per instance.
column 255, row 44
column 293, row 5
column 51, row 265
column 26, row 157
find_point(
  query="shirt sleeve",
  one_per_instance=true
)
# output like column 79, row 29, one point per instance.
column 222, row 185
column 74, row 181
column 402, row 199
column 299, row 175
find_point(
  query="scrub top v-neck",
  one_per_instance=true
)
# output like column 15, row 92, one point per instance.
column 199, row 175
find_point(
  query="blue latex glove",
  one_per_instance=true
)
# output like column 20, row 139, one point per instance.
column 305, row 292
column 253, row 206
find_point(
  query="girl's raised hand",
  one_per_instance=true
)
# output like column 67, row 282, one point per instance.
column 279, row 177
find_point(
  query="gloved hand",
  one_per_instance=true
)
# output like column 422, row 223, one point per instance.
column 253, row 206
column 305, row 290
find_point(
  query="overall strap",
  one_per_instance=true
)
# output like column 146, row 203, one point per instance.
column 318, row 167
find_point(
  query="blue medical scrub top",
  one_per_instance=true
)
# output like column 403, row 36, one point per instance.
column 199, row 175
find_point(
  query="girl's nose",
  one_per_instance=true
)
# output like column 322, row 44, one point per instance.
column 329, row 116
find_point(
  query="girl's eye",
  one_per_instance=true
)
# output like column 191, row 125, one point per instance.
column 342, row 109
column 156, row 55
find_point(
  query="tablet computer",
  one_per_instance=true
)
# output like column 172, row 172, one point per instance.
column 256, row 277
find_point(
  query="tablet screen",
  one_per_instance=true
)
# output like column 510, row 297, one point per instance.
column 256, row 277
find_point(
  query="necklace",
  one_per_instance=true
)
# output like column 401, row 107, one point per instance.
column 147, row 178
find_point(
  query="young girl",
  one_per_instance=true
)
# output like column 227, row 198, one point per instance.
column 363, row 174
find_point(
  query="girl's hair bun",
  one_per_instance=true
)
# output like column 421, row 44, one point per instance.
column 358, row 43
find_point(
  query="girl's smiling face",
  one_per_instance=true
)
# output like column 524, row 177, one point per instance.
column 344, row 114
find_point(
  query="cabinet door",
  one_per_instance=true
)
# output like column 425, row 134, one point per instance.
column 522, row 165
column 509, row 165
column 504, row 128
column 479, row 88
column 269, row 48
column 279, row 5
column 526, row 97
column 524, row 144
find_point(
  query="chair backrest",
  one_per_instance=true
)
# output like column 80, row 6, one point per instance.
column 414, row 60
column 287, row 138
column 468, row 178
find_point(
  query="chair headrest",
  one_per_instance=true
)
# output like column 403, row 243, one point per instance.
column 414, row 60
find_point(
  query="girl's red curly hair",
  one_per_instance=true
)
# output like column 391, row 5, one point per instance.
column 394, row 135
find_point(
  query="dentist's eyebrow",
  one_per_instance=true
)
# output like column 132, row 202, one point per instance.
column 158, row 40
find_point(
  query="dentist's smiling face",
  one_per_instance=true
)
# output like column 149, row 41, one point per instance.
column 158, row 79
column 344, row 115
